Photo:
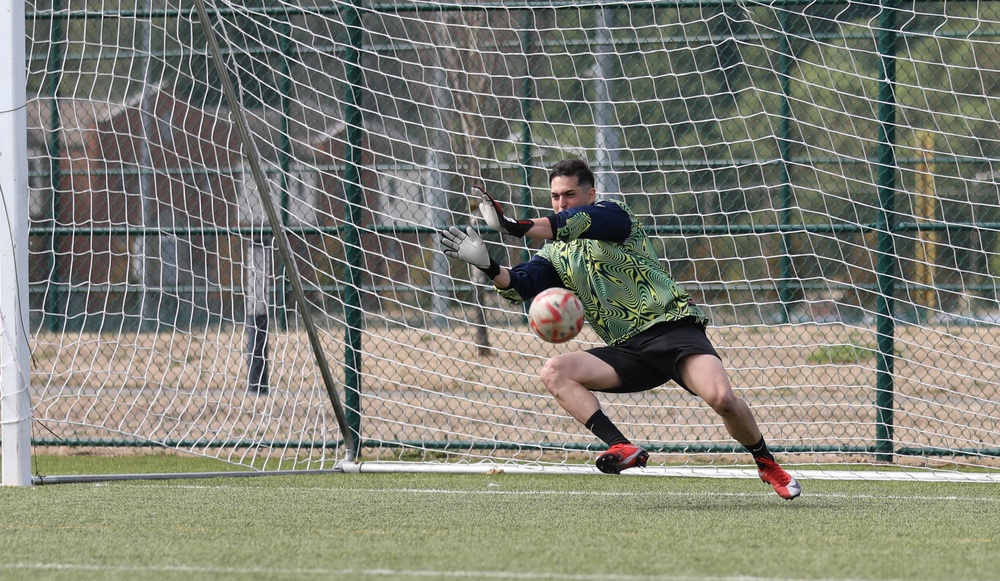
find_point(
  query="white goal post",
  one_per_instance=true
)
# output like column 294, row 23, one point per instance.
column 15, row 401
column 252, row 273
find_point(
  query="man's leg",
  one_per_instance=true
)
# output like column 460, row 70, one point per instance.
column 570, row 379
column 706, row 377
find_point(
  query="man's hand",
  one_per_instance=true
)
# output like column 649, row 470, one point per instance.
column 494, row 216
column 468, row 246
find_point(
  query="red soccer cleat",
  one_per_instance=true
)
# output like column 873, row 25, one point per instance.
column 783, row 483
column 621, row 457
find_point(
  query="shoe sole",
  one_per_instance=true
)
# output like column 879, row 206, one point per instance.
column 609, row 463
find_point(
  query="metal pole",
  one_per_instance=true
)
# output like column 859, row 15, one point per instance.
column 526, row 96
column 55, row 304
column 435, row 186
column 886, row 221
column 15, row 398
column 147, row 260
column 258, row 290
column 785, row 285
column 608, row 140
column 284, row 161
column 352, row 240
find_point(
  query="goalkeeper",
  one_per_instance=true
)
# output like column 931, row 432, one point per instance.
column 653, row 329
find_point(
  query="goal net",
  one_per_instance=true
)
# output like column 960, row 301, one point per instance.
column 819, row 175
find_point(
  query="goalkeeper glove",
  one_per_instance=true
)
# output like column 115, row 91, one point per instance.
column 494, row 216
column 468, row 246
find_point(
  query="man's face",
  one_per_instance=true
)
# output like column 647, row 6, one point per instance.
column 567, row 193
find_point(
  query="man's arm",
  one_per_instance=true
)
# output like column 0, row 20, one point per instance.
column 469, row 247
column 521, row 282
column 541, row 229
column 535, row 228
column 602, row 221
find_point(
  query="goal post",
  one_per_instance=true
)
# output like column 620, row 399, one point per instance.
column 820, row 176
column 15, row 401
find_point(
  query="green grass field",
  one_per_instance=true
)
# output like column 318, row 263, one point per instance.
column 524, row 527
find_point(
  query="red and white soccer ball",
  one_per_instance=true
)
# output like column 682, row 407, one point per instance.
column 556, row 315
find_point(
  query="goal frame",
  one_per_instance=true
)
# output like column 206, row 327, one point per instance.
column 15, row 399
column 883, row 448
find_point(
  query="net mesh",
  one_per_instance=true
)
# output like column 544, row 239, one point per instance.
column 819, row 175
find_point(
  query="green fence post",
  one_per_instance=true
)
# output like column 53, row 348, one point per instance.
column 54, row 313
column 784, row 131
column 354, row 194
column 527, row 92
column 885, row 224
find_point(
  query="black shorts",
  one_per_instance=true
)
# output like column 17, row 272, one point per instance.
column 650, row 358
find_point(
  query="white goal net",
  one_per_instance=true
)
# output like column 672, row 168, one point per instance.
column 822, row 176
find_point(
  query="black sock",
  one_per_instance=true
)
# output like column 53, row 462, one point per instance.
column 759, row 450
column 602, row 427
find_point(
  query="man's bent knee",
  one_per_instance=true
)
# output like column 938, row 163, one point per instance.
column 554, row 373
column 731, row 406
column 575, row 370
column 722, row 401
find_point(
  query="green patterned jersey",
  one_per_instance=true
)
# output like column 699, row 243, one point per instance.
column 602, row 254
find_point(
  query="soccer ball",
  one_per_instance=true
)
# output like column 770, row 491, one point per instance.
column 556, row 315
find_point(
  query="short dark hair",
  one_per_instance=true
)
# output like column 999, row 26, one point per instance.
column 573, row 167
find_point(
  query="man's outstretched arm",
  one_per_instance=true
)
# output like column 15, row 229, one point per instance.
column 469, row 247
column 492, row 211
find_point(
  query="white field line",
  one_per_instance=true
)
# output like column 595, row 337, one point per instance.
column 679, row 471
column 496, row 490
column 389, row 573
column 577, row 470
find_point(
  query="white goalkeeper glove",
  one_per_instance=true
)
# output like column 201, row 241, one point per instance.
column 468, row 246
column 493, row 214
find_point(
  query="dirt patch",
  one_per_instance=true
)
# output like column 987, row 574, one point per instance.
column 431, row 391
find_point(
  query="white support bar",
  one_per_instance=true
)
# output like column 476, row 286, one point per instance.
column 804, row 474
column 15, row 399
